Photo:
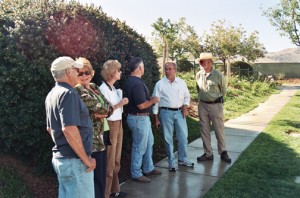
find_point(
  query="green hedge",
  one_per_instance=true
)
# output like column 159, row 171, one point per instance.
column 32, row 34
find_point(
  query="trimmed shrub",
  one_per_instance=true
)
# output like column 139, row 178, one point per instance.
column 32, row 34
column 184, row 65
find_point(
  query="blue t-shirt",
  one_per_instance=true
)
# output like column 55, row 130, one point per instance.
column 137, row 93
column 65, row 108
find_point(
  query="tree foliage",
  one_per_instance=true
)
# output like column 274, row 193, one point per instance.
column 35, row 32
column 285, row 16
column 228, row 42
column 180, row 39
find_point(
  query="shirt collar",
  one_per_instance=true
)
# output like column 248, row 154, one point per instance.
column 175, row 80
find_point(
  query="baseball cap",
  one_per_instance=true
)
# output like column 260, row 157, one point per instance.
column 64, row 62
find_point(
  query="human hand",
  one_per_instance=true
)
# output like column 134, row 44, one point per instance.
column 124, row 101
column 92, row 165
column 154, row 99
column 157, row 122
column 185, row 111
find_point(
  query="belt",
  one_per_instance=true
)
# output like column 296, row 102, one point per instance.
column 210, row 102
column 171, row 109
column 218, row 100
column 139, row 114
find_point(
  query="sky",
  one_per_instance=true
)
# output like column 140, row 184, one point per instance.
column 140, row 14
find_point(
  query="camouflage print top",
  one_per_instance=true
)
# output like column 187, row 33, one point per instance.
column 96, row 103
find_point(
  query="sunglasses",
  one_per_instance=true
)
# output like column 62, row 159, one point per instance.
column 84, row 73
column 203, row 61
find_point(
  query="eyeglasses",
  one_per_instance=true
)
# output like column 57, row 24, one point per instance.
column 84, row 73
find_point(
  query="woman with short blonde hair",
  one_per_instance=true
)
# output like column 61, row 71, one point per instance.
column 111, row 72
column 109, row 69
column 99, row 108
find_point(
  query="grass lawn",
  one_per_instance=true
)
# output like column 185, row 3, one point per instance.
column 271, row 164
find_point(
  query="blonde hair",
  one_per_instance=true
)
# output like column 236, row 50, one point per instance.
column 86, row 63
column 109, row 69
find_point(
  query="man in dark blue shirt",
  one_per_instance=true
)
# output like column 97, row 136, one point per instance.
column 139, row 122
column 70, row 127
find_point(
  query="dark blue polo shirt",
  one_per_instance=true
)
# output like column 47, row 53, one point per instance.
column 137, row 93
column 65, row 108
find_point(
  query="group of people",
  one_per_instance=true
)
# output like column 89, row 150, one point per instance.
column 85, row 122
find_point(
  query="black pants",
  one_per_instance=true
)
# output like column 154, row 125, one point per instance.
column 100, row 170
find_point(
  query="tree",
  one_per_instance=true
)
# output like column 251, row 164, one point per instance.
column 165, row 31
column 286, row 17
column 227, row 42
column 175, row 39
column 251, row 48
column 35, row 32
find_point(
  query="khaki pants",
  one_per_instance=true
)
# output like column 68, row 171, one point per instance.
column 114, row 157
column 211, row 113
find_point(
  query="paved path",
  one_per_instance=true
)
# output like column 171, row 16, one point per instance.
column 194, row 183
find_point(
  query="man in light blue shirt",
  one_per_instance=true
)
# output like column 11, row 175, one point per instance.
column 173, row 109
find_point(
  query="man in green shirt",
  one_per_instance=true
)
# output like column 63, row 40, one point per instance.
column 212, row 89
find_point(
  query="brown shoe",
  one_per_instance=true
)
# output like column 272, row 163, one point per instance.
column 204, row 157
column 142, row 179
column 225, row 157
column 153, row 172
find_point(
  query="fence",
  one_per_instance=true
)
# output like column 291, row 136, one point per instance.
column 290, row 70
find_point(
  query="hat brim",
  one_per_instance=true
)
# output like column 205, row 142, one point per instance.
column 78, row 65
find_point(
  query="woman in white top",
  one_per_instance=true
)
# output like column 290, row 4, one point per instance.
column 111, row 72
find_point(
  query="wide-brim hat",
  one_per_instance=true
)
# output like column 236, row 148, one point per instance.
column 65, row 62
column 206, row 56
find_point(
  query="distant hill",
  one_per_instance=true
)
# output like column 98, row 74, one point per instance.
column 289, row 55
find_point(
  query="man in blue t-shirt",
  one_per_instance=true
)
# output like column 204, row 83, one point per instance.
column 70, row 127
column 139, row 123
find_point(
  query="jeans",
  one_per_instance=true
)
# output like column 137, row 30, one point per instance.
column 142, row 142
column 169, row 120
column 73, row 179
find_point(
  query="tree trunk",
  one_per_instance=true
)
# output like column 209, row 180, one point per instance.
column 228, row 70
column 165, row 55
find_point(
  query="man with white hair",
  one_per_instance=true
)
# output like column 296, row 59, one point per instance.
column 173, row 109
column 212, row 89
column 70, row 127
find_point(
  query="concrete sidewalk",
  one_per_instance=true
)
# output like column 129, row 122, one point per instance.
column 195, row 182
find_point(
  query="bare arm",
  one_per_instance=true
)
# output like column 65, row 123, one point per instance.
column 148, row 103
column 156, row 120
column 123, row 102
column 185, row 110
column 49, row 130
column 74, row 139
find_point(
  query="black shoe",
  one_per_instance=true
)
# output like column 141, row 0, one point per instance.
column 172, row 169
column 204, row 157
column 118, row 194
column 225, row 157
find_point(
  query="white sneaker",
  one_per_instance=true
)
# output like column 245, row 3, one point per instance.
column 186, row 163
